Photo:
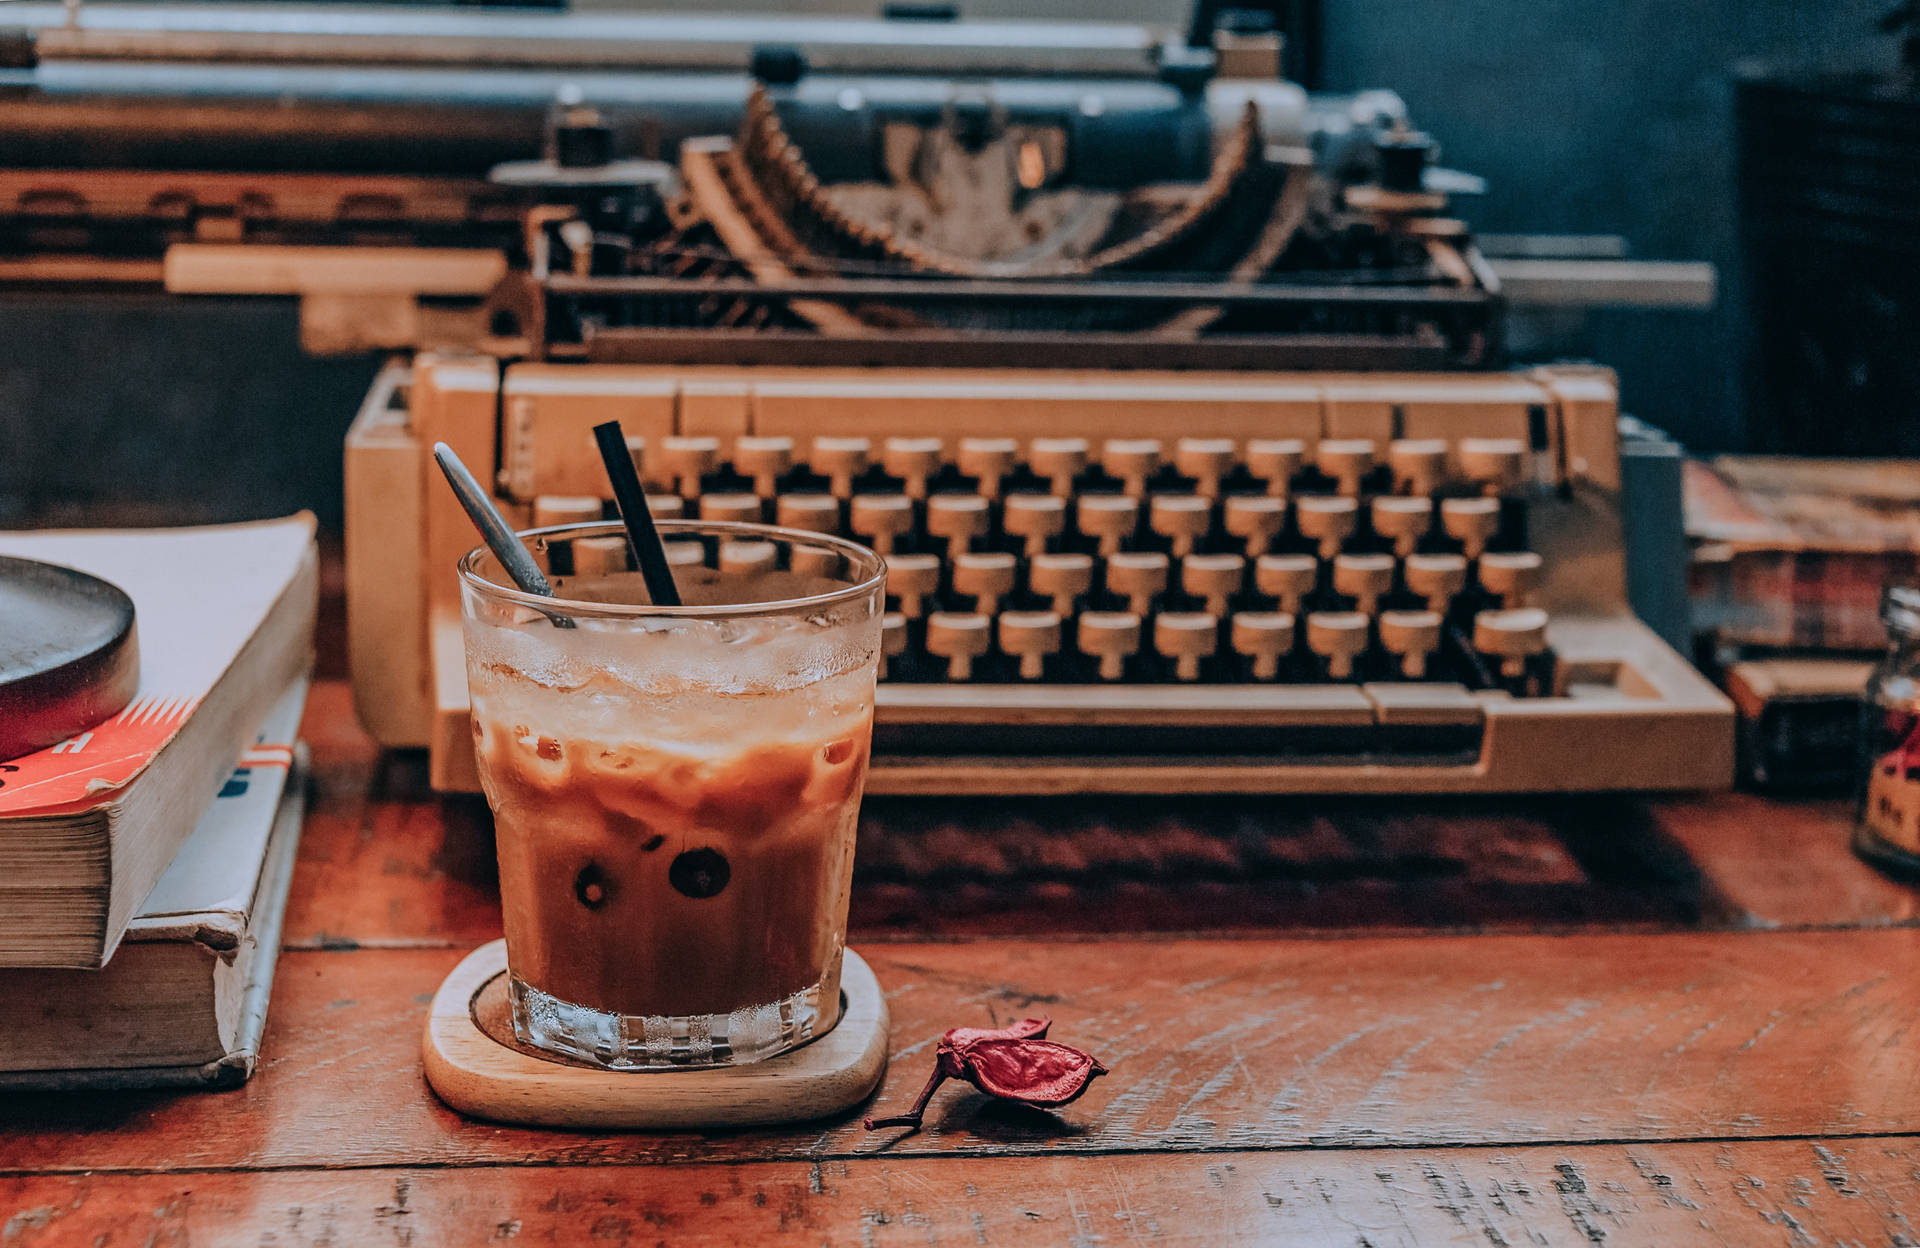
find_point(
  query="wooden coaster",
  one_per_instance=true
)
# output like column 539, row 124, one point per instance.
column 68, row 660
column 477, row 1067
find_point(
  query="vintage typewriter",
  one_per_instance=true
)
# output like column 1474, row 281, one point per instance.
column 1173, row 394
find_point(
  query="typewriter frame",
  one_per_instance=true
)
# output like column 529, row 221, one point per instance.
column 1629, row 714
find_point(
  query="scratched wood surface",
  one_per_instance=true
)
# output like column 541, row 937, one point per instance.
column 1675, row 1023
column 1786, row 1193
column 1214, row 1044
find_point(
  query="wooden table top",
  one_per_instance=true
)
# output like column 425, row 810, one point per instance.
column 1493, row 1022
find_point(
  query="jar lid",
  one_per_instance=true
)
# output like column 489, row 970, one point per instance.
column 1900, row 610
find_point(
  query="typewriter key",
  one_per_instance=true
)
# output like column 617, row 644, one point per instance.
column 1109, row 519
column 1339, row 637
column 1265, row 637
column 1030, row 636
column 959, row 638
column 1131, row 461
column 1437, row 578
column 1288, row 578
column 1139, row 578
column 1206, row 460
column 1276, row 461
column 1404, row 520
column 1256, row 520
column 1062, row 578
column 1111, row 637
column 989, row 461
column 1413, row 636
column 1495, row 464
column 1470, row 521
column 1327, row 519
column 1186, row 637
column 1510, row 577
column 986, row 578
column 1347, row 461
column 1418, row 464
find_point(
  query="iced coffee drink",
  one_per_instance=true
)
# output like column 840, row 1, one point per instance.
column 675, row 790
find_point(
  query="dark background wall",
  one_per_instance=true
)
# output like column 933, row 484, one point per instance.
column 1607, row 118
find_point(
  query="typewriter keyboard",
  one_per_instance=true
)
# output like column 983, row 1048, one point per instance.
column 1065, row 560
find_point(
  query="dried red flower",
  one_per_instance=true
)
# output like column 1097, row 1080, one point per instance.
column 1016, row 1063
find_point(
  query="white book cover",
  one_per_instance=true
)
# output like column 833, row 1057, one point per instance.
column 210, row 888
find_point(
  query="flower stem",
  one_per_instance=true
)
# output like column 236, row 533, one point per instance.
column 917, row 1111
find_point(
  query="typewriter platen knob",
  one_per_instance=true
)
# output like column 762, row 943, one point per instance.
column 1347, row 461
column 1111, row 637
column 1131, row 461
column 1030, row 636
column 986, row 578
column 1062, row 578
column 732, row 507
column 1275, row 461
column 1418, row 464
column 1035, row 517
column 1109, row 519
column 1402, row 519
column 910, row 578
column 1256, row 520
column 1495, row 464
column 1186, row 637
column 816, row 513
column 913, row 460
column 1437, row 578
column 1288, row 578
column 1206, row 460
column 893, row 638
column 1339, row 637
column 1265, row 637
column 1327, row 519
column 1139, row 578
column 1216, row 578
column 1184, row 518
column 959, row 639
column 1059, row 460
column 1470, row 521
column 1513, row 637
column 685, row 460
column 1510, row 577
column 879, row 518
column 958, row 518
column 1412, row 635
column 766, row 460
column 1363, row 578
column 989, row 461
column 840, row 460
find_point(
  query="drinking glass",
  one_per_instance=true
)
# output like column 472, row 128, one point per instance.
column 675, row 789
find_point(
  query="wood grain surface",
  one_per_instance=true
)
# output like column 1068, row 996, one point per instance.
column 1213, row 1044
column 1688, row 1021
column 1775, row 1194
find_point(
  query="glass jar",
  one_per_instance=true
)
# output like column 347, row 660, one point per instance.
column 1887, row 832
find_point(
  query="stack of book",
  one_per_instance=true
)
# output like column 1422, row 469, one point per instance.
column 1790, row 557
column 144, row 863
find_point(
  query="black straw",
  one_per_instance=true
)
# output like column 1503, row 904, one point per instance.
column 494, row 530
column 631, row 498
